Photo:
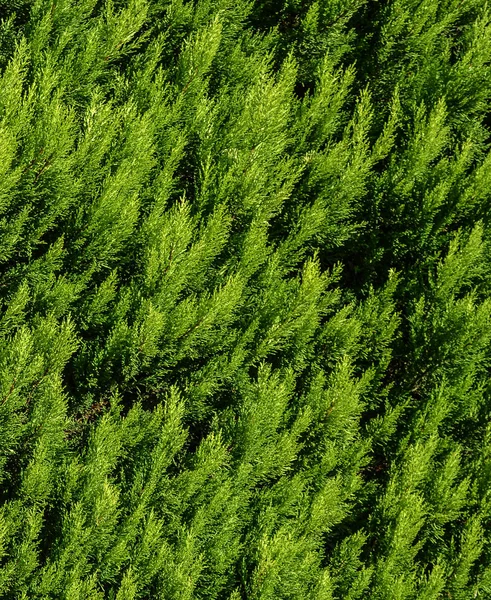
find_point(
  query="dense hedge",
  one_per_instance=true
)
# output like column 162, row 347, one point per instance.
column 245, row 287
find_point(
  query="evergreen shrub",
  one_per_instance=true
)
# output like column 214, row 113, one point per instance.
column 245, row 288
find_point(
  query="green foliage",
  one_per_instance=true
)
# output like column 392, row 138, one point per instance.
column 245, row 295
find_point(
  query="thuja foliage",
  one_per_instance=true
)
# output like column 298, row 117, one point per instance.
column 245, row 289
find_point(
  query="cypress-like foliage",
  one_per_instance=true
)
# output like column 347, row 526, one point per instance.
column 245, row 288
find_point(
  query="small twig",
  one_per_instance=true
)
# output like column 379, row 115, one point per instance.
column 170, row 261
column 338, row 18
column 46, row 165
column 29, row 166
column 183, row 91
column 94, row 410
column 12, row 387
column 36, row 384
column 194, row 327
column 33, row 162
column 106, row 58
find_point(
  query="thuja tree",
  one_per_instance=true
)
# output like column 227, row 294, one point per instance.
column 245, row 295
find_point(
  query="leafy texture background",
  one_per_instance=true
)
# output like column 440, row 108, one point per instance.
column 245, row 288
